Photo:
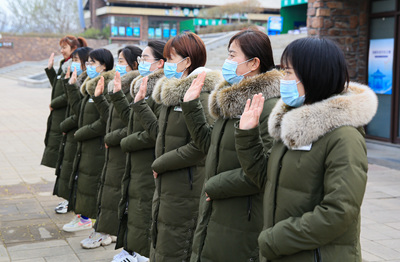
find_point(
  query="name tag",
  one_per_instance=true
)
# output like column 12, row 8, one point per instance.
column 147, row 97
column 90, row 100
column 58, row 77
column 178, row 108
column 303, row 148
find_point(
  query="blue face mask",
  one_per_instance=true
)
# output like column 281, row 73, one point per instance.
column 144, row 68
column 77, row 66
column 289, row 93
column 121, row 69
column 170, row 70
column 229, row 71
column 91, row 71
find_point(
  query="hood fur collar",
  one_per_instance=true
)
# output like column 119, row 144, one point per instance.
column 64, row 66
column 151, row 82
column 228, row 101
column 89, row 85
column 81, row 78
column 125, row 81
column 297, row 127
column 170, row 92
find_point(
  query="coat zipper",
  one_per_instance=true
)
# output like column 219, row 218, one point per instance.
column 249, row 206
column 190, row 178
column 317, row 255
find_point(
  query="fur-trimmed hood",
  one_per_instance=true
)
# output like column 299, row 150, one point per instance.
column 125, row 81
column 65, row 65
column 228, row 101
column 89, row 85
column 151, row 82
column 301, row 126
column 81, row 78
column 171, row 91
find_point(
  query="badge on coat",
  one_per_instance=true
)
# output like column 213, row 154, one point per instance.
column 178, row 109
column 303, row 148
column 58, row 77
column 90, row 100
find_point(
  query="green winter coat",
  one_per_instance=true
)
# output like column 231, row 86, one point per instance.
column 89, row 158
column 68, row 146
column 229, row 225
column 109, row 193
column 58, row 102
column 138, row 182
column 314, row 178
column 180, row 167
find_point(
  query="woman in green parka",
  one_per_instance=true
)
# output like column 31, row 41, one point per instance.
column 109, row 195
column 89, row 157
column 316, row 172
column 58, row 102
column 138, row 182
column 68, row 127
column 230, row 215
column 179, row 165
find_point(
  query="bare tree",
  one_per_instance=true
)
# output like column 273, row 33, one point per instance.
column 44, row 16
column 245, row 6
column 3, row 20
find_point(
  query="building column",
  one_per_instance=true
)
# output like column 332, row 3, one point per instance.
column 346, row 22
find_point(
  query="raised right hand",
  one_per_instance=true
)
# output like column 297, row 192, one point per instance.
column 68, row 74
column 100, row 87
column 51, row 61
column 142, row 90
column 73, row 78
column 195, row 88
column 117, row 82
column 251, row 115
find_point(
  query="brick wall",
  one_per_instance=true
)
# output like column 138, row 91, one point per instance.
column 34, row 48
column 345, row 21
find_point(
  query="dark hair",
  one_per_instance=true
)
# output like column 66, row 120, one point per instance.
column 104, row 56
column 319, row 64
column 188, row 45
column 255, row 43
column 83, row 54
column 131, row 53
column 73, row 42
column 157, row 49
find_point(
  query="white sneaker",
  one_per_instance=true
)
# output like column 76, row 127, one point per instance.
column 124, row 256
column 140, row 258
column 78, row 224
column 62, row 207
column 95, row 240
column 113, row 239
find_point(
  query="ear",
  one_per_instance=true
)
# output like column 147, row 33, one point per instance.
column 160, row 63
column 188, row 62
column 255, row 64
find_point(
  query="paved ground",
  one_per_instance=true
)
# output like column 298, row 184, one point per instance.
column 31, row 231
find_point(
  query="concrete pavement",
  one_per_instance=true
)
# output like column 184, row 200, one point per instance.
column 31, row 231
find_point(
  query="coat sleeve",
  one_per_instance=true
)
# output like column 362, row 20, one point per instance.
column 51, row 75
column 182, row 157
column 121, row 105
column 74, row 98
column 231, row 183
column 197, row 124
column 95, row 129
column 147, row 117
column 251, row 154
column 102, row 106
column 345, row 177
column 114, row 138
column 59, row 102
column 68, row 124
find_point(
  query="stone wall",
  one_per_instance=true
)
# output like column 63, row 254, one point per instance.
column 345, row 21
column 34, row 48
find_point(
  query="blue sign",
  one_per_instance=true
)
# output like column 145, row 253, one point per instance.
column 129, row 31
column 151, row 32
column 166, row 33
column 136, row 31
column 275, row 23
column 114, row 31
column 121, row 30
column 380, row 65
column 173, row 32
column 158, row 32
